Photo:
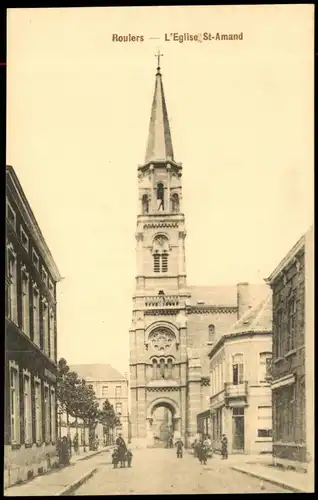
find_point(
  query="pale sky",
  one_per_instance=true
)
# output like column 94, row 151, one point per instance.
column 241, row 118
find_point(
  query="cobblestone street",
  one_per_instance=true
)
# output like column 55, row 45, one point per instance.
column 156, row 471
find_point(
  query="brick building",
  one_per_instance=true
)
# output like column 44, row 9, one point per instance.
column 173, row 324
column 109, row 384
column 241, row 399
column 293, row 355
column 30, row 342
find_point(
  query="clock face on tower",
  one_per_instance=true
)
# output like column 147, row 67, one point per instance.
column 161, row 340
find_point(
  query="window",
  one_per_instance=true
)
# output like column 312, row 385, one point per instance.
column 24, row 239
column 238, row 412
column 238, row 369
column 27, row 409
column 46, row 326
column 38, row 411
column 25, row 302
column 211, row 333
column 264, row 359
column 12, row 287
column 52, row 335
column 264, row 424
column 160, row 197
column 164, row 263
column 118, row 408
column 11, row 216
column 175, row 203
column 278, row 334
column 44, row 276
column 35, row 259
column 47, row 414
column 36, row 316
column 291, row 324
column 217, row 424
column 169, row 368
column 14, row 404
column 154, row 369
column 145, row 204
column 160, row 254
column 105, row 390
column 53, row 416
column 156, row 263
column 118, row 391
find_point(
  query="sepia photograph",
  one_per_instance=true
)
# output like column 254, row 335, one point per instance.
column 159, row 279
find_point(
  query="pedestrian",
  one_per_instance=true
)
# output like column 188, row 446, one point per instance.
column 129, row 456
column 122, row 449
column 224, row 452
column 179, row 445
column 76, row 444
column 115, row 457
column 64, row 452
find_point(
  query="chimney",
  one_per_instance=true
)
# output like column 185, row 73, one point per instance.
column 243, row 298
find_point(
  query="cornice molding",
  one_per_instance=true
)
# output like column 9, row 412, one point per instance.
column 31, row 223
column 211, row 309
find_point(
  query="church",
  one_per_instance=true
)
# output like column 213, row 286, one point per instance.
column 174, row 325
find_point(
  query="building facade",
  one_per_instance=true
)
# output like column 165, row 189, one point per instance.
column 30, row 342
column 173, row 324
column 241, row 399
column 108, row 384
column 293, row 356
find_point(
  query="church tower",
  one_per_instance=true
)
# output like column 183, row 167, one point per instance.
column 158, row 337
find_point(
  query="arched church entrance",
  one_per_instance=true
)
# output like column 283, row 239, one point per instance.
column 163, row 423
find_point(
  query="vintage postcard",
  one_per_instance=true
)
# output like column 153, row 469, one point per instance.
column 159, row 250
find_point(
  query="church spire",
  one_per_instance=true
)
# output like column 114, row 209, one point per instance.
column 159, row 146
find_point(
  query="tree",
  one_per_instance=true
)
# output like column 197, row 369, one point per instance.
column 68, row 383
column 87, row 408
column 108, row 417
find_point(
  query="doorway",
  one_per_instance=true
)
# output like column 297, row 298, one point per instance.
column 162, row 426
column 238, row 428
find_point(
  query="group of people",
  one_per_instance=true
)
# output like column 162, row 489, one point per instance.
column 121, row 454
column 203, row 448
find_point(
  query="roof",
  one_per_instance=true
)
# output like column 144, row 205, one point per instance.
column 213, row 295
column 256, row 319
column 96, row 372
column 159, row 146
column 31, row 222
column 289, row 256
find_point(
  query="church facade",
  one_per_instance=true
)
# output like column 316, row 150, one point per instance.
column 173, row 325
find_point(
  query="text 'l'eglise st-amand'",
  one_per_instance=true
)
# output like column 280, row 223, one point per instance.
column 202, row 37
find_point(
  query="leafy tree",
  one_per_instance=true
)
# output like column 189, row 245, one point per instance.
column 108, row 417
column 87, row 408
column 67, row 389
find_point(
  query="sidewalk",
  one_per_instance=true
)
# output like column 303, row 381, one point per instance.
column 59, row 482
column 297, row 482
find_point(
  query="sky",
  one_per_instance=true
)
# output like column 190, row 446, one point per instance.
column 241, row 119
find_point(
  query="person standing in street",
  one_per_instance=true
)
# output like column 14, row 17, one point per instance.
column 224, row 443
column 122, row 449
column 179, row 445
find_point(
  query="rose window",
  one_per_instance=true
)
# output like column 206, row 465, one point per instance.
column 162, row 340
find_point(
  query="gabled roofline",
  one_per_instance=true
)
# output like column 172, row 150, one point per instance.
column 221, row 341
column 32, row 225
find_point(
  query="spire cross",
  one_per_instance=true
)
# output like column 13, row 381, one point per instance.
column 158, row 58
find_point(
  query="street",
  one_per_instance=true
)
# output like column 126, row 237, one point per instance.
column 156, row 471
